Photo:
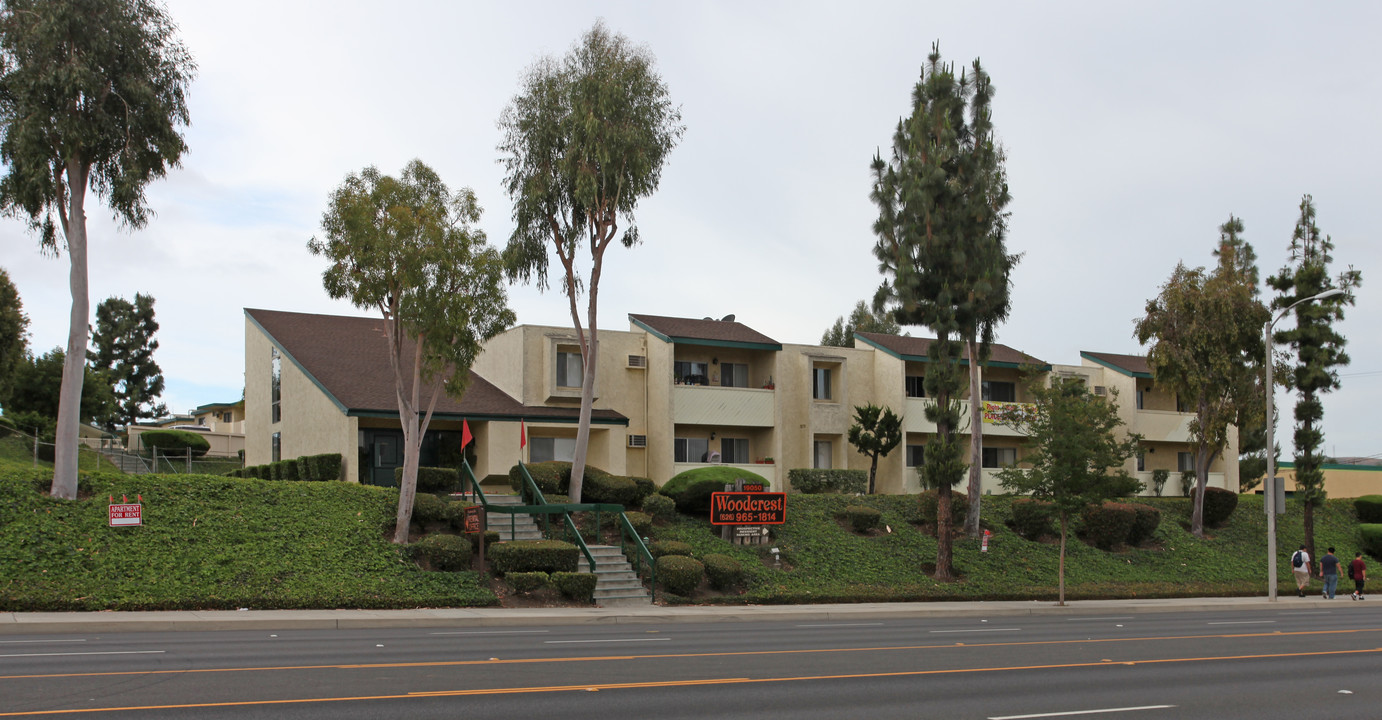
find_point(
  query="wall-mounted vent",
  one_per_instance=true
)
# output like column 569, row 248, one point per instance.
column 638, row 361
column 638, row 441
column 1100, row 390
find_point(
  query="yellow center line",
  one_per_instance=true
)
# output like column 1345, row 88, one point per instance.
column 684, row 683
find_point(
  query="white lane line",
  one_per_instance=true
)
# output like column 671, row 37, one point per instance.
column 615, row 640
column 977, row 630
column 1294, row 613
column 842, row 625
column 1244, row 622
column 112, row 652
column 1081, row 712
column 492, row 632
column 20, row 642
column 1100, row 617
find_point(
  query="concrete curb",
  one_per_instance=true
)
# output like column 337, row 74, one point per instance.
column 213, row 620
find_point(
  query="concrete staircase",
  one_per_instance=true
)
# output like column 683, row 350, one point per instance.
column 616, row 584
column 128, row 464
column 509, row 526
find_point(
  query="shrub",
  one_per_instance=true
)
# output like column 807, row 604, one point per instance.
column 811, row 481
column 175, row 442
column 1144, row 524
column 454, row 513
column 304, row 468
column 723, row 571
column 431, row 479
column 615, row 489
column 679, row 574
column 491, row 539
column 575, row 585
column 530, row 555
column 669, row 547
column 1219, row 504
column 1187, row 481
column 928, row 501
column 276, row 470
column 862, row 518
column 526, row 582
column 1108, row 524
column 659, row 506
column 691, row 489
column 428, row 508
column 552, row 478
column 1032, row 518
column 642, row 522
column 1369, row 508
column 1371, row 536
column 646, row 488
column 321, row 468
column 287, row 469
column 1159, row 478
column 447, row 553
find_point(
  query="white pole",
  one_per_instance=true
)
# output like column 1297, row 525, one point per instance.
column 1270, row 483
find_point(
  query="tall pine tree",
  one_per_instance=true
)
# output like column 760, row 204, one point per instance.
column 123, row 348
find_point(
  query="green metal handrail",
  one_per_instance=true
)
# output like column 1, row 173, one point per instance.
column 641, row 554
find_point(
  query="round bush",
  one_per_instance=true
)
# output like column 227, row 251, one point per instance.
column 669, row 547
column 1219, row 504
column 642, row 522
column 428, row 509
column 679, row 574
column 529, row 555
column 659, row 506
column 575, row 585
column 175, row 442
column 1144, row 523
column 1032, row 518
column 1109, row 524
column 929, row 500
column 1369, row 508
column 723, row 571
column 691, row 489
column 447, row 553
column 602, row 488
column 862, row 518
column 526, row 582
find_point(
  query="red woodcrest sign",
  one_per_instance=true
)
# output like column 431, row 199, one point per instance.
column 748, row 508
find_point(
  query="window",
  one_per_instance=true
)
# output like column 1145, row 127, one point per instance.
column 916, row 455
column 1141, row 461
column 1185, row 461
column 276, row 386
column 691, row 450
column 570, row 372
column 277, row 447
column 821, row 454
column 916, row 386
column 691, row 373
column 734, row 450
column 225, row 417
column 820, row 385
column 734, row 375
column 547, row 449
column 999, row 457
column 1139, row 400
column 999, row 391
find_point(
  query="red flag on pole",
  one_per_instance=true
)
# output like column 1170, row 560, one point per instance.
column 522, row 435
column 465, row 433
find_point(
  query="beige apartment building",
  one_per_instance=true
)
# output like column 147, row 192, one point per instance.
column 671, row 394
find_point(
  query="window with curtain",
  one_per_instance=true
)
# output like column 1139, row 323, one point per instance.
column 570, row 369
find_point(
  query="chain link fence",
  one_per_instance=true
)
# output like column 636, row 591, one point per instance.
column 107, row 454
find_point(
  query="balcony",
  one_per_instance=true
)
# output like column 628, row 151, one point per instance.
column 1162, row 426
column 712, row 405
column 915, row 417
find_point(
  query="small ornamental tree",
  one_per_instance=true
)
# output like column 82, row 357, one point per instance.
column 1075, row 453
column 123, row 348
column 875, row 432
column 408, row 248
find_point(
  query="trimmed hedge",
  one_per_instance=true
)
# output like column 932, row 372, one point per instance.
column 1368, row 507
column 928, row 502
column 174, row 442
column 526, row 582
column 428, row 508
column 431, row 479
column 642, row 522
column 602, row 488
column 661, row 548
column 1033, row 518
column 723, row 571
column 286, row 469
column 659, row 506
column 1144, row 524
column 1219, row 504
column 552, row 478
column 575, row 585
column 862, row 518
column 532, row 555
column 1371, row 536
column 1109, row 524
column 679, row 574
column 812, row 481
column 447, row 553
column 691, row 489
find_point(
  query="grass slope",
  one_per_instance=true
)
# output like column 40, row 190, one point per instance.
column 212, row 543
column 828, row 563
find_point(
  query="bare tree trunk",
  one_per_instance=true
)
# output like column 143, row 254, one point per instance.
column 1063, row 524
column 74, row 364
column 583, row 426
column 976, row 439
column 407, row 485
column 873, row 471
column 944, row 546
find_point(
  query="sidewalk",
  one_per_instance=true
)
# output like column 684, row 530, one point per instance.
column 197, row 620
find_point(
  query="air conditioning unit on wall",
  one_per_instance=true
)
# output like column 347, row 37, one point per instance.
column 638, row 362
column 1100, row 390
column 638, row 441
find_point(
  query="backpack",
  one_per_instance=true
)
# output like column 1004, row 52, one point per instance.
column 1296, row 560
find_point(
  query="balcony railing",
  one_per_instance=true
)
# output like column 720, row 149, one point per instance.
column 712, row 405
column 1162, row 425
column 915, row 417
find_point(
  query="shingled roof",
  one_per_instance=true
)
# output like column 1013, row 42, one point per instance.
column 1133, row 365
column 348, row 358
column 687, row 331
column 915, row 347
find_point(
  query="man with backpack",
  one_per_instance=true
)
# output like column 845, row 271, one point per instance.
column 1300, row 566
column 1358, row 572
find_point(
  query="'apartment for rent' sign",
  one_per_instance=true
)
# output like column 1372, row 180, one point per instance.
column 126, row 515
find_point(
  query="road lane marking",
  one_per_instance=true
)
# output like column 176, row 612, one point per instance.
column 109, row 652
column 21, row 642
column 1276, row 634
column 1100, row 617
column 680, row 683
column 1244, row 622
column 975, row 630
column 833, row 625
column 493, row 632
column 1081, row 712
column 610, row 640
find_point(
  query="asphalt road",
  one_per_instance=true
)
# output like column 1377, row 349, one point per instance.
column 1279, row 662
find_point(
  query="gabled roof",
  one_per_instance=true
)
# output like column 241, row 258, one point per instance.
column 1130, row 365
column 348, row 358
column 715, row 333
column 915, row 349
column 216, row 406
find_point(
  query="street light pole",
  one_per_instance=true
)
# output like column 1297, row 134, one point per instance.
column 1270, row 481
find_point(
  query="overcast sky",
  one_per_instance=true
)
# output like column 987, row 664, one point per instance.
column 1133, row 130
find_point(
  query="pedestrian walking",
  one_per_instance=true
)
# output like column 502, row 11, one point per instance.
column 1300, row 567
column 1329, row 572
column 1358, row 570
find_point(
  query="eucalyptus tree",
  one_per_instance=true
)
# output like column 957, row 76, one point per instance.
column 1318, row 346
column 124, row 345
column 92, row 94
column 875, row 433
column 585, row 139
column 408, row 248
column 940, row 199
column 1205, row 330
